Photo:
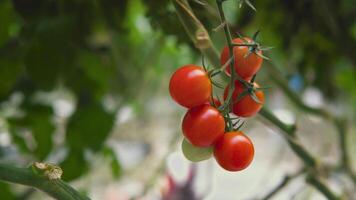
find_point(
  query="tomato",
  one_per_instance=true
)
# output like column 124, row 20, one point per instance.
column 196, row 154
column 246, row 106
column 234, row 151
column 245, row 67
column 203, row 125
column 215, row 102
column 190, row 86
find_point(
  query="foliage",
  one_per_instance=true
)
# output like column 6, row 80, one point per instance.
column 85, row 52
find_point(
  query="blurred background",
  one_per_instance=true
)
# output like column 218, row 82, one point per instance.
column 84, row 84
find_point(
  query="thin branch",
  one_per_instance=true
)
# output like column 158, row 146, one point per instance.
column 319, row 184
column 277, row 77
column 233, row 78
column 345, row 163
column 55, row 187
column 286, row 180
column 288, row 132
column 339, row 123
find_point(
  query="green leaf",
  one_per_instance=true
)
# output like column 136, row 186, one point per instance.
column 10, row 69
column 114, row 162
column 114, row 12
column 74, row 165
column 6, row 193
column 8, row 21
column 95, row 72
column 44, row 63
column 38, row 119
column 89, row 126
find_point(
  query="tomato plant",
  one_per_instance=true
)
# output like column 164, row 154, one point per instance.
column 243, row 104
column 203, row 125
column 234, row 151
column 208, row 118
column 247, row 62
column 190, row 86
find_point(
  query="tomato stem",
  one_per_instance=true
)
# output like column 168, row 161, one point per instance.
column 226, row 106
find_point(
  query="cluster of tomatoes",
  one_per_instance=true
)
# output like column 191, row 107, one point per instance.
column 208, row 124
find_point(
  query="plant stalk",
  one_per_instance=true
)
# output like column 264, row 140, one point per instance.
column 55, row 188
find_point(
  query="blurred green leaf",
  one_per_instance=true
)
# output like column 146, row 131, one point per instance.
column 95, row 72
column 10, row 68
column 114, row 12
column 6, row 193
column 114, row 162
column 74, row 165
column 50, row 53
column 8, row 21
column 89, row 126
column 38, row 119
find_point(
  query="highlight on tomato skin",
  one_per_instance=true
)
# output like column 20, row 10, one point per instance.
column 246, row 63
column 246, row 106
column 190, row 86
column 234, row 151
column 203, row 125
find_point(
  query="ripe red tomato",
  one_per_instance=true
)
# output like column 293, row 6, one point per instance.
column 203, row 125
column 190, row 86
column 245, row 67
column 215, row 102
column 234, row 151
column 246, row 106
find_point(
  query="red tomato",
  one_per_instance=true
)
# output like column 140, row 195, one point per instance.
column 190, row 86
column 245, row 66
column 215, row 102
column 246, row 106
column 234, row 151
column 203, row 125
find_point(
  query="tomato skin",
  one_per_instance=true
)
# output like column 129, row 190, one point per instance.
column 203, row 125
column 246, row 106
column 245, row 67
column 190, row 86
column 234, row 151
column 215, row 101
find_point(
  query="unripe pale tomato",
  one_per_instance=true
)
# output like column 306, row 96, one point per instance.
column 246, row 106
column 196, row 154
column 190, row 86
column 234, row 151
column 245, row 67
column 203, row 125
